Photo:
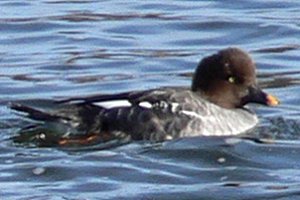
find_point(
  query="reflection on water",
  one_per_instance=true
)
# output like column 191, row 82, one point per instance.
column 57, row 49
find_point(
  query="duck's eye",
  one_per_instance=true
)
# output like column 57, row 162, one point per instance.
column 231, row 79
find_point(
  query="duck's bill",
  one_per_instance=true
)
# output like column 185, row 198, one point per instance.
column 256, row 95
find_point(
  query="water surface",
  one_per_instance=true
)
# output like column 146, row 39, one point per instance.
column 56, row 49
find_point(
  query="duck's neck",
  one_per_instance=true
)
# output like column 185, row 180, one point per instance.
column 215, row 98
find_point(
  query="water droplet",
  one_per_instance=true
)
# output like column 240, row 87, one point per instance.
column 42, row 136
column 221, row 160
column 38, row 170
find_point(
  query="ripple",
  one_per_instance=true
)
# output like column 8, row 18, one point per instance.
column 59, row 49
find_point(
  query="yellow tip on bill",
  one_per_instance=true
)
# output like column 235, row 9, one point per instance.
column 272, row 101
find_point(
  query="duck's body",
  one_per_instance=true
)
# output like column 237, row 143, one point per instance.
column 214, row 105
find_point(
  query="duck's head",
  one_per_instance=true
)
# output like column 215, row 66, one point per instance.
column 228, row 79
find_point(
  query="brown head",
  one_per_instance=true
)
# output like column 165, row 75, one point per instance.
column 228, row 79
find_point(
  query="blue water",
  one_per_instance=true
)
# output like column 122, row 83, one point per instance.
column 58, row 48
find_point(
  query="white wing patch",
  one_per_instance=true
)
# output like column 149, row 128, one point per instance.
column 113, row 104
column 161, row 104
column 174, row 107
column 145, row 104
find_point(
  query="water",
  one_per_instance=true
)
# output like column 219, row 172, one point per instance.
column 58, row 48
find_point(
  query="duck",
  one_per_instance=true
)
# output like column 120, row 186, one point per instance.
column 216, row 104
